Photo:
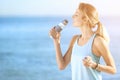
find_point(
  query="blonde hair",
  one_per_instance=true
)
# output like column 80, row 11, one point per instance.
column 90, row 14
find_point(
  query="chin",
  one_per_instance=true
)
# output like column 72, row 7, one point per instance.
column 75, row 25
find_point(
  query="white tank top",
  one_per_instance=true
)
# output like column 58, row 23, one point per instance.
column 79, row 71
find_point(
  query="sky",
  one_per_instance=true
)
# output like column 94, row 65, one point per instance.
column 55, row 7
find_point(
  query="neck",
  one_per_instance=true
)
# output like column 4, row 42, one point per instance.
column 86, row 32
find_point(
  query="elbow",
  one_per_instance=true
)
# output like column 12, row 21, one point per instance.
column 114, row 71
column 61, row 68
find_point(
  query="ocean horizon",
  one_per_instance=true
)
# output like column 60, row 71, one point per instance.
column 27, row 51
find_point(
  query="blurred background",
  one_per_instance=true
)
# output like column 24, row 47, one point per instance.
column 27, row 51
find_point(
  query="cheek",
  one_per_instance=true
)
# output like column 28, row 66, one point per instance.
column 77, row 22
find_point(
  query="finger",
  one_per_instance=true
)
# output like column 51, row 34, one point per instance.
column 89, row 63
column 85, row 63
column 52, row 34
column 88, row 58
column 52, row 31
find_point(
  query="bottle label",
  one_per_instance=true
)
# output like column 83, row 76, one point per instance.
column 61, row 25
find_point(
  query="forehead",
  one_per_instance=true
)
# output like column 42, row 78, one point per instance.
column 78, row 11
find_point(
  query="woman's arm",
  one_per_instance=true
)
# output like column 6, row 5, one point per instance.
column 62, row 61
column 100, row 47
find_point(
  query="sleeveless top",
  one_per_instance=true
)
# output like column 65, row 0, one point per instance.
column 79, row 71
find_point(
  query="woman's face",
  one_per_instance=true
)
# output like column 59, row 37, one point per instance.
column 77, row 18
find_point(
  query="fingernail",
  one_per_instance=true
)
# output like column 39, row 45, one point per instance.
column 85, row 57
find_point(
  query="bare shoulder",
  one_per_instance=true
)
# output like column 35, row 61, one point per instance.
column 73, row 40
column 99, row 45
column 75, row 37
column 99, row 41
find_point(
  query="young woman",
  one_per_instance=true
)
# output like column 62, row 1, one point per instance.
column 85, row 50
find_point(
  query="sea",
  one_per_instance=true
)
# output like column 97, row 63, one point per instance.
column 27, row 52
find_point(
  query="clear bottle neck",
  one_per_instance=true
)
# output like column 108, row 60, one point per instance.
column 61, row 25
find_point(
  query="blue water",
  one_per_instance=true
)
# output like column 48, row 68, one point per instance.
column 27, row 52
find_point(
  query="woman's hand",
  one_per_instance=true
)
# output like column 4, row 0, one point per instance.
column 54, row 34
column 88, row 62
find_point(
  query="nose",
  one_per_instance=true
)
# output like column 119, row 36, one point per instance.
column 73, row 15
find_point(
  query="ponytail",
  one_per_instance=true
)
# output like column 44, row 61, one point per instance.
column 101, row 31
column 90, row 13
